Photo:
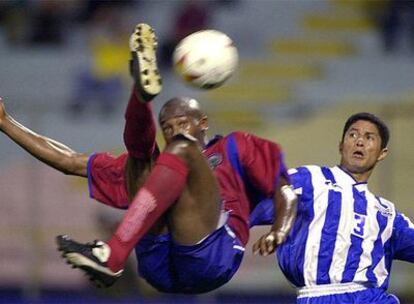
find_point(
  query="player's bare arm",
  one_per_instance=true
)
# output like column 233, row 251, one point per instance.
column 46, row 150
column 285, row 202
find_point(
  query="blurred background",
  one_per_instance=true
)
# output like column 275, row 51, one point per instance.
column 305, row 66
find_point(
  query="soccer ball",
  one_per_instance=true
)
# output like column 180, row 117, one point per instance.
column 205, row 59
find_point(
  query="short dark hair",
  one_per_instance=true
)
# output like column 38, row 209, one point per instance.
column 381, row 126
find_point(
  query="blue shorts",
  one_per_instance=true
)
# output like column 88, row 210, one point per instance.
column 175, row 268
column 370, row 295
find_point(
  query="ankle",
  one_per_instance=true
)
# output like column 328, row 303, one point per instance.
column 117, row 258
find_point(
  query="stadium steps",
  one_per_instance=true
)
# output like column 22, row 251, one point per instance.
column 248, row 92
column 295, row 60
column 340, row 19
column 241, row 119
column 305, row 64
column 263, row 82
column 323, row 48
column 278, row 70
column 359, row 5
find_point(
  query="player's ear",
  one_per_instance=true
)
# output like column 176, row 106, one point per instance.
column 203, row 123
column 341, row 146
column 383, row 154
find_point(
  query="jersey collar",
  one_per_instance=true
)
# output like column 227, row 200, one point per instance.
column 213, row 141
column 345, row 177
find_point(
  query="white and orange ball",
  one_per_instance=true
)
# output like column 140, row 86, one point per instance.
column 205, row 59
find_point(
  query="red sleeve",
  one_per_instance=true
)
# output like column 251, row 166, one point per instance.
column 106, row 179
column 262, row 162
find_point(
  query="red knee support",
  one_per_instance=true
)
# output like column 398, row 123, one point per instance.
column 162, row 188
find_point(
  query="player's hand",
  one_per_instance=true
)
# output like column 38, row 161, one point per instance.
column 268, row 243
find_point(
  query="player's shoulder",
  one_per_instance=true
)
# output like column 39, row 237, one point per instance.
column 388, row 209
column 303, row 175
column 385, row 202
column 109, row 155
column 239, row 137
column 239, row 134
column 304, row 169
column 248, row 137
column 104, row 159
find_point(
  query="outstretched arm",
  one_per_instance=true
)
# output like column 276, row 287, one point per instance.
column 260, row 161
column 285, row 204
column 47, row 150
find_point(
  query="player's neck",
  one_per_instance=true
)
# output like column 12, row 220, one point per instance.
column 359, row 177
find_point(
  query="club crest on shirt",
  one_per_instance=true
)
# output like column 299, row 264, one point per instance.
column 384, row 210
column 214, row 160
column 332, row 186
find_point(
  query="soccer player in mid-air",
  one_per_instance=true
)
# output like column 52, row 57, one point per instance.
column 189, row 207
column 345, row 238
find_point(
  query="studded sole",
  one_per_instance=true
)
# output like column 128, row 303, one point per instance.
column 143, row 65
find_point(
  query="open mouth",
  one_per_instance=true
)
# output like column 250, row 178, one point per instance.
column 358, row 154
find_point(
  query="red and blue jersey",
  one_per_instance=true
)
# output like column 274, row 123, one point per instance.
column 247, row 169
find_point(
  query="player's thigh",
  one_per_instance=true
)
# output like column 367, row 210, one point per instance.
column 197, row 211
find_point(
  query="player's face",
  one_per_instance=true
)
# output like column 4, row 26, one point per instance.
column 361, row 149
column 184, row 124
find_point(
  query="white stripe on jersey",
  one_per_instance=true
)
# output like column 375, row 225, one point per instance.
column 343, row 241
column 380, row 270
column 310, row 267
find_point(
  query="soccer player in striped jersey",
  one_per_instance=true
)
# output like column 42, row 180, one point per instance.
column 345, row 238
column 189, row 207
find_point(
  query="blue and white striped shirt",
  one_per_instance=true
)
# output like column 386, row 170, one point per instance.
column 343, row 232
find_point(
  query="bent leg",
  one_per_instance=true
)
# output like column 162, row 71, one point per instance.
column 197, row 211
column 210, row 256
column 161, row 189
column 181, row 176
